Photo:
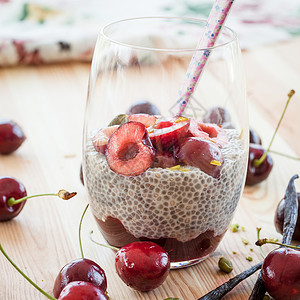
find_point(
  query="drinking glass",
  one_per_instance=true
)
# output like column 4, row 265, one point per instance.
column 150, row 172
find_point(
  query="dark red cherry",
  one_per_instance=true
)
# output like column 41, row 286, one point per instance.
column 82, row 290
column 281, row 274
column 82, row 269
column 203, row 154
column 81, row 175
column 258, row 174
column 217, row 115
column 10, row 188
column 143, row 107
column 142, row 265
column 164, row 159
column 279, row 218
column 254, row 138
column 11, row 136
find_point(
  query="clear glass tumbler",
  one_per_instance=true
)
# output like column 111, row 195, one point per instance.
column 150, row 172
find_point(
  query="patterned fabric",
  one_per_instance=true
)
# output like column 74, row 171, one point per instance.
column 41, row 31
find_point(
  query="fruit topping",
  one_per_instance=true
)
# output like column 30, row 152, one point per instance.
column 129, row 150
column 145, row 119
column 203, row 154
column 142, row 265
column 143, row 107
column 11, row 136
column 82, row 269
column 166, row 134
column 164, row 159
column 256, row 174
column 101, row 138
column 208, row 131
column 217, row 115
column 119, row 120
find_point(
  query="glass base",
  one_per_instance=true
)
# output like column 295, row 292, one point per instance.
column 187, row 263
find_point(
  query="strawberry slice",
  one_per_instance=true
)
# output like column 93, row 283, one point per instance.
column 166, row 134
column 101, row 138
column 129, row 151
column 147, row 120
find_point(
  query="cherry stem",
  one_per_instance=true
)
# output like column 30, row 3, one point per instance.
column 261, row 242
column 63, row 194
column 285, row 155
column 25, row 276
column 258, row 162
column 107, row 246
column 80, row 225
column 258, row 238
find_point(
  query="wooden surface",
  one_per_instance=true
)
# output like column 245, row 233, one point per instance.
column 49, row 102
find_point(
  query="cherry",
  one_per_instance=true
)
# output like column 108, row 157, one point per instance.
column 11, row 136
column 166, row 134
column 144, row 107
column 279, row 218
column 129, row 150
column 254, row 138
column 76, row 290
column 81, row 175
column 101, row 138
column 13, row 197
column 281, row 274
column 164, row 159
column 256, row 174
column 82, row 269
column 260, row 162
column 82, row 290
column 10, row 188
column 217, row 115
column 203, row 154
column 142, row 265
column 146, row 119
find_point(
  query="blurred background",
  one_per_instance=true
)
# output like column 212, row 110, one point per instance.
column 44, row 31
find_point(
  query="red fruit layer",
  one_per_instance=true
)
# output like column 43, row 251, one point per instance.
column 147, row 120
column 101, row 138
column 163, row 137
column 129, row 151
column 204, row 244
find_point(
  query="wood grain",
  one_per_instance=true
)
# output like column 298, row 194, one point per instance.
column 49, row 102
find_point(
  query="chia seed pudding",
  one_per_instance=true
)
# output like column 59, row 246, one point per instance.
column 187, row 212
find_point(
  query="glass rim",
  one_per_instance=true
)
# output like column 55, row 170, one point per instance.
column 232, row 39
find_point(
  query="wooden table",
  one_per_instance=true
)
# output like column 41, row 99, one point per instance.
column 49, row 102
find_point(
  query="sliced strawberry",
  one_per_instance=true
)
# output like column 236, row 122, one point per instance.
column 147, row 120
column 166, row 137
column 129, row 151
column 101, row 138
